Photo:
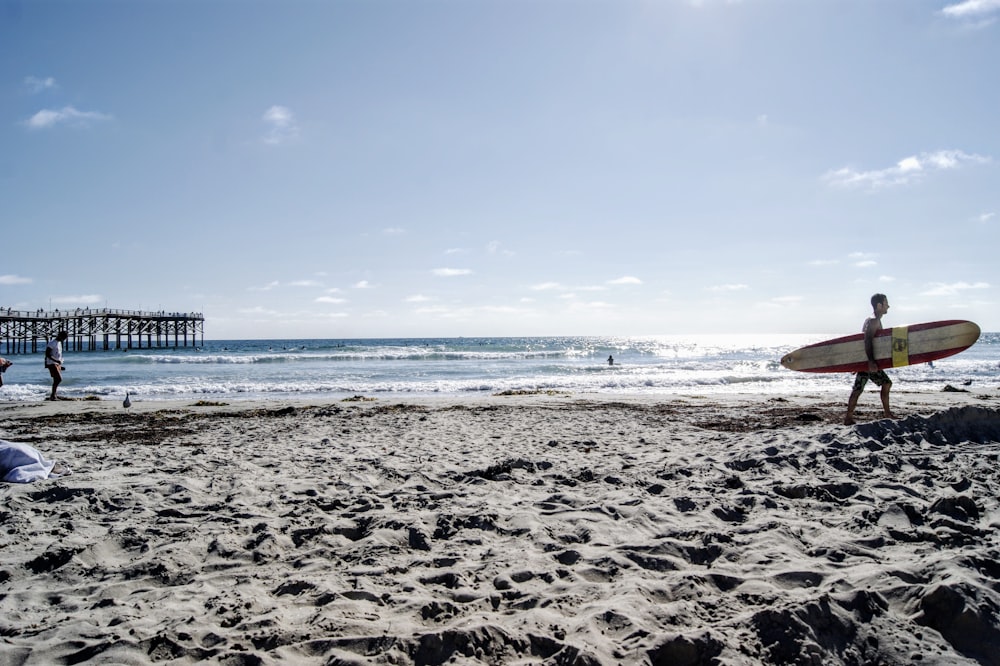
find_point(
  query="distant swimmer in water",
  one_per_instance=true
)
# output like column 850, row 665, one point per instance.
column 611, row 360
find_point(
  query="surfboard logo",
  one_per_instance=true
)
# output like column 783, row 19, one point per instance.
column 900, row 346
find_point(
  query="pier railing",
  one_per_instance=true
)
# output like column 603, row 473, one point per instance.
column 28, row 331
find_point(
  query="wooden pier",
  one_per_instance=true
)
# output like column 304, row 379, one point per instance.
column 27, row 332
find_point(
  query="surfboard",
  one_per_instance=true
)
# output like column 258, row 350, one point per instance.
column 894, row 347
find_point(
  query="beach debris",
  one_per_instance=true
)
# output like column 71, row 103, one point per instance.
column 359, row 398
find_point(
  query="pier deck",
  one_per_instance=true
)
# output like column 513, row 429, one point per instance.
column 27, row 332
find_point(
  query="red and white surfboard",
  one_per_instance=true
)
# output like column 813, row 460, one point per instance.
column 894, row 347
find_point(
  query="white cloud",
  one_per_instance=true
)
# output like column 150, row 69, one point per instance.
column 417, row 298
column 864, row 259
column 986, row 217
column 456, row 250
column 363, row 284
column 258, row 310
column 953, row 289
column 501, row 309
column 824, row 262
column 625, row 279
column 84, row 299
column 589, row 306
column 494, row 247
column 304, row 283
column 905, row 171
column 267, row 287
column 36, row 85
column 434, row 310
column 729, row 287
column 14, row 279
column 281, row 124
column 886, row 278
column 451, row 272
column 546, row 286
column 331, row 299
column 67, row 115
column 781, row 302
column 393, row 231
column 971, row 9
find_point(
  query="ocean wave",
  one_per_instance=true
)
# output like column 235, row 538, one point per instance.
column 347, row 357
column 321, row 368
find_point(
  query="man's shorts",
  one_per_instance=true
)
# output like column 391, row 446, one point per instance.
column 879, row 378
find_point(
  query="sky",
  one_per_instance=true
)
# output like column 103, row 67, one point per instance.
column 445, row 168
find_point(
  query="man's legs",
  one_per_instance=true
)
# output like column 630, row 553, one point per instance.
column 56, row 379
column 859, row 386
column 882, row 380
column 852, row 402
column 885, row 401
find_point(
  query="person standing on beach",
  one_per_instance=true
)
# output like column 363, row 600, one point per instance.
column 53, row 360
column 872, row 325
column 4, row 364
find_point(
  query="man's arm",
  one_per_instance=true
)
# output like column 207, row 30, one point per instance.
column 872, row 326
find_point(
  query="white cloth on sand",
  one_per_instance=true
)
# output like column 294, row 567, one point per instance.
column 20, row 463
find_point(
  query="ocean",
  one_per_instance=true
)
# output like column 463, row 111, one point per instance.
column 396, row 368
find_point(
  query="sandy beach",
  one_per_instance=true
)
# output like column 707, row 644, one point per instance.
column 546, row 529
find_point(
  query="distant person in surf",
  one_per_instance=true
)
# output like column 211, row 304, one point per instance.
column 53, row 360
column 611, row 360
column 872, row 325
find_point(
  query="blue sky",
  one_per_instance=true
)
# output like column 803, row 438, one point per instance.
column 403, row 168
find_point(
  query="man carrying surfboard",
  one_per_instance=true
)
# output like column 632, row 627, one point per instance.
column 872, row 325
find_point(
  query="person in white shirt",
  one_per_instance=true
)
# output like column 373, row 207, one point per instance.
column 53, row 360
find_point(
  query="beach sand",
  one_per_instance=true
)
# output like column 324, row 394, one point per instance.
column 532, row 529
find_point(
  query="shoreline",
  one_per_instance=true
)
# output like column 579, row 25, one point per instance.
column 580, row 529
column 907, row 399
column 709, row 391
